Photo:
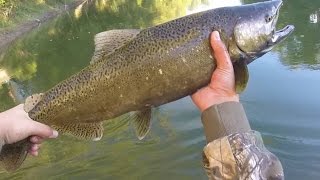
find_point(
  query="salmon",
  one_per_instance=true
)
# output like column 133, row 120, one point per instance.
column 135, row 70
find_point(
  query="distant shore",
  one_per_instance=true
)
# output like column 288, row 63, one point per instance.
column 9, row 35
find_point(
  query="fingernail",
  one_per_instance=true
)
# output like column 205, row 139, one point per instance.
column 215, row 35
column 54, row 134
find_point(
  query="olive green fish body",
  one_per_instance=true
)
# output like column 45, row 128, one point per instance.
column 160, row 65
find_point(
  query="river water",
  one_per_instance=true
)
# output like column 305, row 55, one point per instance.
column 282, row 99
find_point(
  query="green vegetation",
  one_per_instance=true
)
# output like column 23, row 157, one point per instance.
column 13, row 12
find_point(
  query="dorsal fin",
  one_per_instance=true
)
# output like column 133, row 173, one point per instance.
column 32, row 101
column 107, row 42
column 85, row 131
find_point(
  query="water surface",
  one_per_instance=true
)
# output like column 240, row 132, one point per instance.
column 282, row 99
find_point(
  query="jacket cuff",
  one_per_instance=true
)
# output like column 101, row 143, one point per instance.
column 224, row 119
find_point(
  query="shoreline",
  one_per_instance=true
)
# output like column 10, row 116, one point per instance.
column 8, row 36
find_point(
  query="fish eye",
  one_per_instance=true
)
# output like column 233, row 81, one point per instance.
column 268, row 18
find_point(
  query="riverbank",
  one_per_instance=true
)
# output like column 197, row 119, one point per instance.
column 11, row 31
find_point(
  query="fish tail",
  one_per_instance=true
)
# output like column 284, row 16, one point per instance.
column 13, row 155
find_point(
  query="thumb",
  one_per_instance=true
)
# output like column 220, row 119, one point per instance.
column 220, row 52
column 41, row 130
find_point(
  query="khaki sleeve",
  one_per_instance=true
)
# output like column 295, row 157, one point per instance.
column 224, row 119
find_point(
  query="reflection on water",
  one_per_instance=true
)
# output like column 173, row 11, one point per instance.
column 314, row 17
column 283, row 105
column 302, row 50
column 209, row 4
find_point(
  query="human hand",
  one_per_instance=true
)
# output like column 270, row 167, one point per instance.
column 222, row 85
column 15, row 125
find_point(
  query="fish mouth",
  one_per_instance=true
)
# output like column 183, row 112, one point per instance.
column 277, row 37
column 280, row 35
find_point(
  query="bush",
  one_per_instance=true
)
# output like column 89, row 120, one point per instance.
column 2, row 3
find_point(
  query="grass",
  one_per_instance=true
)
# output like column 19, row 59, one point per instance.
column 13, row 12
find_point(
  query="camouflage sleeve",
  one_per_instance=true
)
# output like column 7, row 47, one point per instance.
column 234, row 151
column 241, row 156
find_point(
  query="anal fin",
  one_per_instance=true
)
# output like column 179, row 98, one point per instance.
column 85, row 131
column 142, row 122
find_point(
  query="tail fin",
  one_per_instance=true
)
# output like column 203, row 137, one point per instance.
column 13, row 155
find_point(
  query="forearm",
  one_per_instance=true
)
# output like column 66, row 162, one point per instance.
column 234, row 151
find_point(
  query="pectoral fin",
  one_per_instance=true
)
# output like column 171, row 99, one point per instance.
column 241, row 75
column 107, row 42
column 86, row 131
column 142, row 122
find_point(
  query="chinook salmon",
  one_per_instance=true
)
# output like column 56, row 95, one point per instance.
column 135, row 70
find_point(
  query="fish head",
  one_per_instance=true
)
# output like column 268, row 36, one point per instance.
column 254, row 33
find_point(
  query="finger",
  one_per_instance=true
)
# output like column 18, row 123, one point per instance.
column 41, row 130
column 34, row 150
column 35, row 147
column 220, row 52
column 36, row 139
column 33, row 153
